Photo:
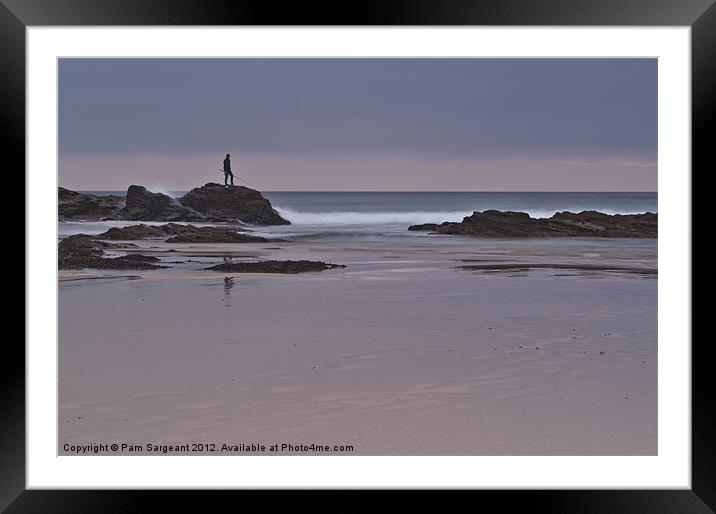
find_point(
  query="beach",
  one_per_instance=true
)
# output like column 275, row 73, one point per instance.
column 421, row 345
column 359, row 256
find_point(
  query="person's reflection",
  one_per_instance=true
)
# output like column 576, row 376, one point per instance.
column 228, row 284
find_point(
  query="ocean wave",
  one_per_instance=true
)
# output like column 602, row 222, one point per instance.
column 417, row 217
column 368, row 218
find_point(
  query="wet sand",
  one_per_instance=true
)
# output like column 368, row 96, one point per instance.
column 541, row 351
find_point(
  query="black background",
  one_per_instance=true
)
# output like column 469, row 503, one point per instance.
column 15, row 15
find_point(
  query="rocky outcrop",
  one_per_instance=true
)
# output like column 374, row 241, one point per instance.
column 74, row 206
column 81, row 251
column 141, row 204
column 181, row 234
column 493, row 223
column 232, row 203
column 211, row 202
column 274, row 267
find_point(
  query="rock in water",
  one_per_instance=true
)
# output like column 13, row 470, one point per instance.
column 72, row 205
column 605, row 225
column 493, row 223
column 274, row 266
column 496, row 224
column 82, row 251
column 425, row 227
column 79, row 251
column 213, row 235
column 144, row 205
column 134, row 232
column 232, row 203
column 181, row 234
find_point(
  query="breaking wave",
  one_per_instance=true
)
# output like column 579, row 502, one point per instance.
column 415, row 217
column 368, row 218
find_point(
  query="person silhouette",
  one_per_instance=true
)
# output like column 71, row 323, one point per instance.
column 227, row 170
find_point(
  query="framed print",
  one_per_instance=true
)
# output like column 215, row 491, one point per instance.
column 429, row 247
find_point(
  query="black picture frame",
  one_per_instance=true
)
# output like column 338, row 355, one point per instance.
column 16, row 15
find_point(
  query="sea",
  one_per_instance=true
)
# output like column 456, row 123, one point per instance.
column 385, row 216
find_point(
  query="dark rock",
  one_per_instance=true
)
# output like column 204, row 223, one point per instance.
column 274, row 267
column 211, row 202
column 214, row 235
column 493, row 223
column 128, row 262
column 141, row 204
column 525, row 266
column 75, row 250
column 86, row 207
column 232, row 203
column 135, row 257
column 181, row 234
column 132, row 261
column 615, row 225
column 425, row 227
column 82, row 251
column 134, row 232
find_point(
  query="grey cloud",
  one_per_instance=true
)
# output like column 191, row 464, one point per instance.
column 476, row 108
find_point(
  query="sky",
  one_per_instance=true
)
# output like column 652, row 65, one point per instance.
column 360, row 124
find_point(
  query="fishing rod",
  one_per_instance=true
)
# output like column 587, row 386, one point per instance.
column 237, row 178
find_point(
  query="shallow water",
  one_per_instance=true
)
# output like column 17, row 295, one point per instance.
column 385, row 216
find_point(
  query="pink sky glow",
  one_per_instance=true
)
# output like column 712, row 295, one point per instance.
column 358, row 173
